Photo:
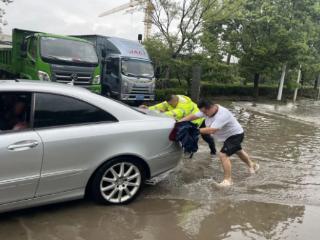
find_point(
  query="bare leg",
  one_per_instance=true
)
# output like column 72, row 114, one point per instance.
column 246, row 159
column 226, row 163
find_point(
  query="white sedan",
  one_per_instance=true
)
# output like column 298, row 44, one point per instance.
column 60, row 142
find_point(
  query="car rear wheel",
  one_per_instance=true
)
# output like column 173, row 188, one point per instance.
column 118, row 181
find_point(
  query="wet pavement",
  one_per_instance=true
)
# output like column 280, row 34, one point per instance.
column 281, row 201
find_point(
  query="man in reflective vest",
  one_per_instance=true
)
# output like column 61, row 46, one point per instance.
column 178, row 107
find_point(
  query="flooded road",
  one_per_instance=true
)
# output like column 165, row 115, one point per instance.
column 282, row 201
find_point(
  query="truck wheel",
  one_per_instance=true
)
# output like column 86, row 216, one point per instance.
column 118, row 181
column 137, row 103
column 106, row 92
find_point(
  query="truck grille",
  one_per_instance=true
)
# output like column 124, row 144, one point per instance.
column 77, row 75
column 139, row 90
column 77, row 78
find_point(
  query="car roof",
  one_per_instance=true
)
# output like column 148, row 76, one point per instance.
column 43, row 86
column 120, row 111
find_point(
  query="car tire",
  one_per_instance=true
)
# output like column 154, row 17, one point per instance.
column 118, row 181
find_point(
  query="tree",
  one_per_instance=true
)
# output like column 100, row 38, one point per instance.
column 160, row 56
column 179, row 25
column 268, row 35
column 179, row 22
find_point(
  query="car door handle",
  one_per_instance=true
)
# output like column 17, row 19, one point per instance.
column 23, row 145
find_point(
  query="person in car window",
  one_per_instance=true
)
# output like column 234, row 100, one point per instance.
column 17, row 118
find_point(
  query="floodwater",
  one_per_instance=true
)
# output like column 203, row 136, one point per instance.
column 281, row 201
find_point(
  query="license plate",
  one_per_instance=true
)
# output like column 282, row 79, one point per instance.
column 140, row 97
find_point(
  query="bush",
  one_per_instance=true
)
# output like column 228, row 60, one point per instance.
column 241, row 90
column 171, row 83
column 212, row 90
column 162, row 93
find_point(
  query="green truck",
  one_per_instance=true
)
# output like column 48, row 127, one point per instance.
column 50, row 57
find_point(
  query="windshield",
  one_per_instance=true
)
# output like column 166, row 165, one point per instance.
column 68, row 50
column 137, row 68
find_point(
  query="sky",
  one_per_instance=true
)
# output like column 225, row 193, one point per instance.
column 72, row 17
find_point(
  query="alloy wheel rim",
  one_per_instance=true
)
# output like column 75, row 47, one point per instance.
column 120, row 182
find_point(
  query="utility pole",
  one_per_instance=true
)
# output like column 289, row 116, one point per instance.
column 317, row 86
column 283, row 74
column 297, row 88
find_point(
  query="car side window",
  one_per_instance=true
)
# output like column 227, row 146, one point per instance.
column 55, row 110
column 15, row 110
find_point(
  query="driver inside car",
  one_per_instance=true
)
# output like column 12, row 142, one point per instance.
column 19, row 116
column 14, row 115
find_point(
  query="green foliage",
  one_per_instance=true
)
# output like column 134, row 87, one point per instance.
column 263, row 35
column 220, row 72
column 234, row 90
column 159, row 53
column 161, row 94
column 177, row 46
column 237, row 40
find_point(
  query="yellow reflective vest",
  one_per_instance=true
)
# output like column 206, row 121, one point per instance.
column 184, row 108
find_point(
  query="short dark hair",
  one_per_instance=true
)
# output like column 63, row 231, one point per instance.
column 205, row 103
column 170, row 97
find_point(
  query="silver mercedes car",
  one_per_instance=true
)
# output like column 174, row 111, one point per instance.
column 59, row 142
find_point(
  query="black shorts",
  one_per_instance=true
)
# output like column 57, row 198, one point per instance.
column 232, row 144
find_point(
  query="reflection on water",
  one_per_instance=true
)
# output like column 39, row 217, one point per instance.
column 282, row 201
column 304, row 110
column 163, row 219
column 252, row 220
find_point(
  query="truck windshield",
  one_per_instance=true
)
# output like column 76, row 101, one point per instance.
column 68, row 50
column 137, row 68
